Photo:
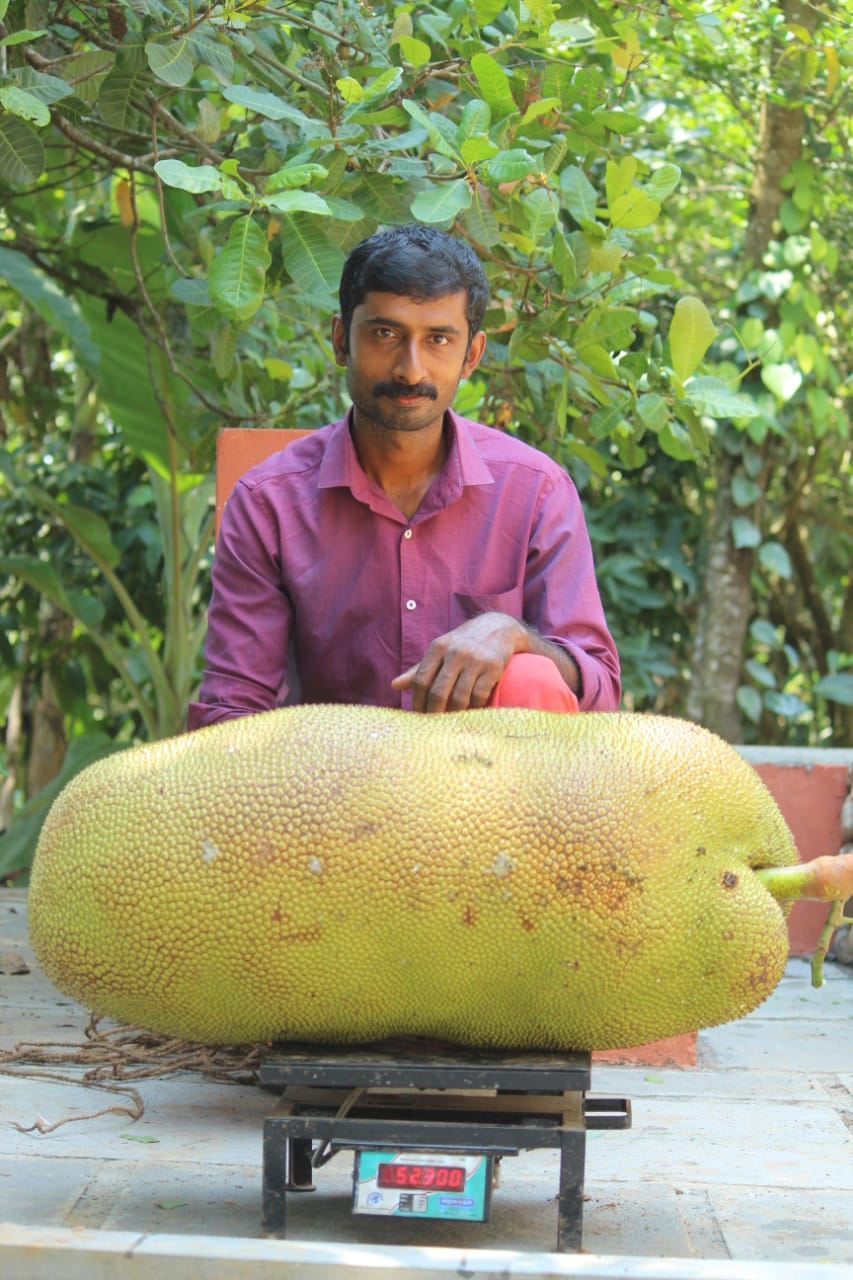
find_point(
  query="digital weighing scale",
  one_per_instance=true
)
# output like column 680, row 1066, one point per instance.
column 427, row 1125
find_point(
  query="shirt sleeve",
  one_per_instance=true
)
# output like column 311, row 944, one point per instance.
column 249, row 618
column 561, row 597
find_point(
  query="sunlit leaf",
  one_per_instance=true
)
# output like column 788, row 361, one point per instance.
column 442, row 202
column 715, row 398
column 237, row 273
column 690, row 335
column 493, row 85
column 197, row 178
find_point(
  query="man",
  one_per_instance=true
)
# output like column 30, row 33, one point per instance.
column 404, row 556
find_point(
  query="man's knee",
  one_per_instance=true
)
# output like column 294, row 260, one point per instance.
column 531, row 680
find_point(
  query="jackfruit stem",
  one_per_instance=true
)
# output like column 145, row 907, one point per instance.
column 826, row 879
column 833, row 920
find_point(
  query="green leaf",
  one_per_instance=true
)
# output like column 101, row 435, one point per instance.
column 267, row 105
column 773, row 558
column 745, row 533
column 749, row 702
column 509, row 166
column 475, row 121
column 442, row 202
column 313, row 262
column 619, row 177
column 25, row 36
column 294, row 175
column 21, row 152
column 88, row 71
column 786, row 705
column 172, row 60
column 653, row 410
column 486, row 11
column 539, row 108
column 350, row 89
column 564, row 260
column 138, row 1137
column 836, row 688
column 634, row 209
column 715, row 398
column 440, row 143
column 783, row 380
column 690, row 334
column 579, row 195
column 125, row 87
column 663, row 182
column 25, row 105
column 196, row 178
column 760, row 673
column 763, row 632
column 482, row 225
column 238, row 272
column 493, row 85
column 209, row 49
column 476, row 150
column 43, row 294
column 744, row 491
column 298, row 201
column 416, row 52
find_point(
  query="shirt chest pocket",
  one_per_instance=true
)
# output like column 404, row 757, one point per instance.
column 462, row 605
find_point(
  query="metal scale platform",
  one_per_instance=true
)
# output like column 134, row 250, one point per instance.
column 426, row 1124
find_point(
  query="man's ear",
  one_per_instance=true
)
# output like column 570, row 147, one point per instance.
column 339, row 341
column 475, row 353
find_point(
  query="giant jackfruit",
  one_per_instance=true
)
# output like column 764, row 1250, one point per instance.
column 496, row 878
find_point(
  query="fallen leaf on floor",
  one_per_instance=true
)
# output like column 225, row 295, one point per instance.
column 137, row 1137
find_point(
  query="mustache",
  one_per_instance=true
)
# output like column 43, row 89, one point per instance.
column 397, row 390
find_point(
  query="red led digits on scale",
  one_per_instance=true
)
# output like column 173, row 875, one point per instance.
column 431, row 1177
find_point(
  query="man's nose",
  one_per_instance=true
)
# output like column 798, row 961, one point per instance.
column 408, row 366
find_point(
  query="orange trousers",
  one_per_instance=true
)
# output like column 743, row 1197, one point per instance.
column 533, row 681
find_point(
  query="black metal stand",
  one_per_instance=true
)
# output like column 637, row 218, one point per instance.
column 402, row 1094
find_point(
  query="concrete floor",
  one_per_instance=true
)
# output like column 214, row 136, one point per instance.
column 747, row 1157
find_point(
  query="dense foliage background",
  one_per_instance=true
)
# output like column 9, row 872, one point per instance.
column 660, row 194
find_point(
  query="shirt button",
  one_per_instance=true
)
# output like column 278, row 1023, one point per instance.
column 407, row 534
column 411, row 604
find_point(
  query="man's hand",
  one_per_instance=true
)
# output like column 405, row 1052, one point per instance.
column 461, row 668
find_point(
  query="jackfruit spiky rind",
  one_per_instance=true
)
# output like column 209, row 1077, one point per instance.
column 501, row 878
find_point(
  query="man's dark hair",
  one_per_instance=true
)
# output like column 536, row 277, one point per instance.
column 414, row 261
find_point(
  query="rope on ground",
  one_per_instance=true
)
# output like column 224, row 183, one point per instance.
column 124, row 1053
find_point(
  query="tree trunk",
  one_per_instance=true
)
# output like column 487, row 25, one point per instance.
column 47, row 738
column 722, row 620
column 725, row 601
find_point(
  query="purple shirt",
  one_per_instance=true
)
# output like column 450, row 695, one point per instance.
column 323, row 591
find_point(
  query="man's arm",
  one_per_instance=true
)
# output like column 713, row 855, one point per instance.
column 249, row 621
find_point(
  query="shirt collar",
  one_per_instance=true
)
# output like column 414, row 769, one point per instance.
column 464, row 464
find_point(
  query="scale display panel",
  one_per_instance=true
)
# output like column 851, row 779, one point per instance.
column 423, row 1184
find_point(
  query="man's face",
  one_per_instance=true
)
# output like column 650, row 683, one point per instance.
column 406, row 358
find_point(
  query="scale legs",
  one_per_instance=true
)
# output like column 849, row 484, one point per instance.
column 287, row 1167
column 570, row 1197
